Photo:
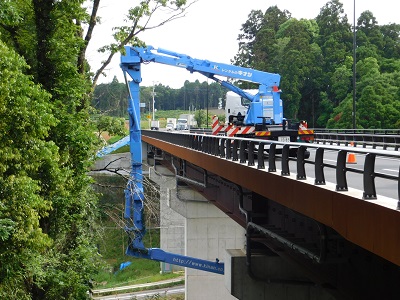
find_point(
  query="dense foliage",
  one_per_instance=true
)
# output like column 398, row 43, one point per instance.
column 315, row 61
column 48, row 209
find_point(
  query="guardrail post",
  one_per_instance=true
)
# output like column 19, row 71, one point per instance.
column 222, row 147
column 212, row 144
column 228, row 149
column 242, row 151
column 301, row 171
column 216, row 146
column 195, row 143
column 260, row 156
column 187, row 140
column 235, row 156
column 369, row 177
column 201, row 143
column 206, row 144
column 250, row 154
column 271, row 158
column 210, row 147
column 341, row 182
column 385, row 143
column 319, row 167
column 285, row 161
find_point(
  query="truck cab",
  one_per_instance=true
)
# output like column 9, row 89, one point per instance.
column 182, row 124
column 170, row 127
column 155, row 125
column 236, row 107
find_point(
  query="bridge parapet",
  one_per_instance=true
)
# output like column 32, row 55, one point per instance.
column 258, row 153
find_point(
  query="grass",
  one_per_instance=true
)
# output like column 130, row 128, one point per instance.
column 140, row 271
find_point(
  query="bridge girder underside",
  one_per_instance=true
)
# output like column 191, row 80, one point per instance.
column 344, row 269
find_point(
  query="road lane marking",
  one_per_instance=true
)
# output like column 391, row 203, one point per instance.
column 390, row 170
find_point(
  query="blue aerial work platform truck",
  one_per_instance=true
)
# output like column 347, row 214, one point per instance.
column 264, row 109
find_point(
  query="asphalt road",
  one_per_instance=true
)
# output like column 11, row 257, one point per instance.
column 180, row 289
column 121, row 292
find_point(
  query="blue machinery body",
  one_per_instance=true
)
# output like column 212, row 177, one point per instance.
column 134, row 196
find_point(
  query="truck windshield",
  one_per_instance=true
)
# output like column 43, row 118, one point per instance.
column 245, row 102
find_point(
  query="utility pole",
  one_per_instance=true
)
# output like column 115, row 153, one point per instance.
column 153, row 94
column 207, row 106
column 354, row 66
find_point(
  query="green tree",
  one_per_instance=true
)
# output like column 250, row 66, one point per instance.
column 378, row 103
column 391, row 40
column 257, row 37
column 368, row 26
column 300, row 68
column 114, row 126
column 201, row 118
column 342, row 115
column 111, row 98
column 48, row 208
column 342, row 79
column 335, row 40
column 25, row 122
column 326, row 109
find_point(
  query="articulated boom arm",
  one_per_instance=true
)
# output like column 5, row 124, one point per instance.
column 264, row 105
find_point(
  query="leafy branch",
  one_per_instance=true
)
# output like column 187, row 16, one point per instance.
column 139, row 19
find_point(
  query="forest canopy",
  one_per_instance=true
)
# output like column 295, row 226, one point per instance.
column 315, row 59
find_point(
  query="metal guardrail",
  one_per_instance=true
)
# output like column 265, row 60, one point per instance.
column 382, row 138
column 266, row 154
column 359, row 131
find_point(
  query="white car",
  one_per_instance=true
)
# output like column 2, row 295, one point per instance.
column 170, row 127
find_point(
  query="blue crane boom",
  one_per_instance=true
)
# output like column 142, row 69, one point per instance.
column 267, row 100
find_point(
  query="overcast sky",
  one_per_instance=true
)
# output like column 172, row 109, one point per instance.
column 210, row 30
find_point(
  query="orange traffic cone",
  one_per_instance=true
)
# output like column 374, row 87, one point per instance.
column 351, row 158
